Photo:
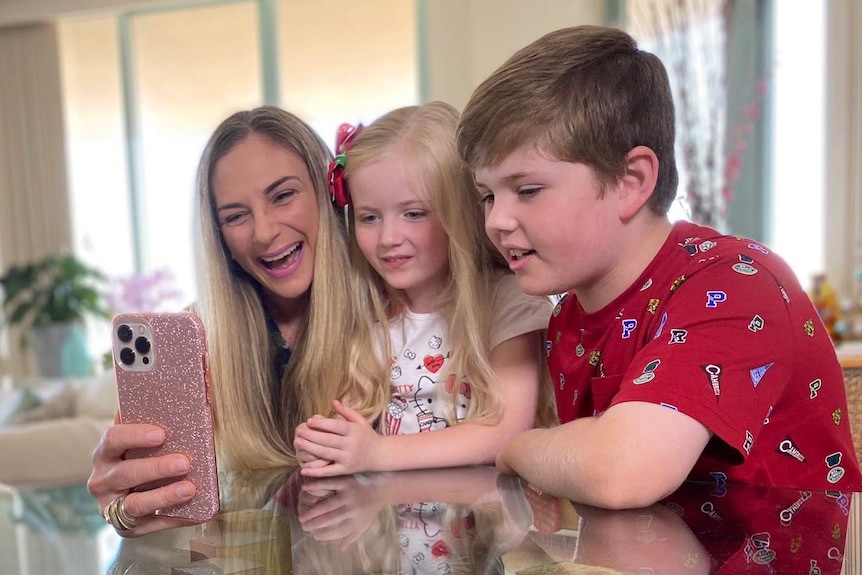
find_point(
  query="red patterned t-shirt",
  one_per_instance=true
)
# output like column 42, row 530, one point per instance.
column 717, row 327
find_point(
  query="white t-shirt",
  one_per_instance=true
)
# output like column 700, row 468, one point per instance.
column 420, row 382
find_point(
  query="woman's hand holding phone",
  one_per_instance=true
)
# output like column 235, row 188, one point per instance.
column 114, row 476
column 156, row 467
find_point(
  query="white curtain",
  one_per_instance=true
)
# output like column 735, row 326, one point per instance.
column 34, row 203
column 689, row 37
column 844, row 151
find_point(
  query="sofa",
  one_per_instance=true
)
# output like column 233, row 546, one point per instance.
column 50, row 427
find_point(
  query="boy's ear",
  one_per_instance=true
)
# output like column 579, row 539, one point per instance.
column 638, row 182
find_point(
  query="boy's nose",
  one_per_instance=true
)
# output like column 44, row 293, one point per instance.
column 499, row 219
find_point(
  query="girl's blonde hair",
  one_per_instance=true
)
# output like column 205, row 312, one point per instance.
column 425, row 137
column 255, row 413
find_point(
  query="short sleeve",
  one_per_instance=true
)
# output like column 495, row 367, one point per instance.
column 722, row 353
column 515, row 313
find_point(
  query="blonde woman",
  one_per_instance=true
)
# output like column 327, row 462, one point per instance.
column 278, row 341
column 458, row 345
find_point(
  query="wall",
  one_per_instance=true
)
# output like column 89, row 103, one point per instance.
column 468, row 39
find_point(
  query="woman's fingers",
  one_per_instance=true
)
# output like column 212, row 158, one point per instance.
column 153, row 523
column 120, row 438
column 144, row 503
column 134, row 472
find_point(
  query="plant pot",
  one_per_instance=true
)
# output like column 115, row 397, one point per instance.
column 61, row 350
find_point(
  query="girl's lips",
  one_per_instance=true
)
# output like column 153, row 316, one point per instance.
column 396, row 262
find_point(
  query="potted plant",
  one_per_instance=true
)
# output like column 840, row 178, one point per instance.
column 50, row 298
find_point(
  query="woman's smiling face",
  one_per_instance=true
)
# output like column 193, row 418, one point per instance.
column 268, row 214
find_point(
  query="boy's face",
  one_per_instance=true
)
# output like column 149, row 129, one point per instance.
column 546, row 218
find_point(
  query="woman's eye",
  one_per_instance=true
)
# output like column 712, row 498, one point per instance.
column 283, row 196
column 232, row 219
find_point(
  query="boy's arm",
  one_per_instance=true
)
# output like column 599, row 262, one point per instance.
column 354, row 447
column 631, row 456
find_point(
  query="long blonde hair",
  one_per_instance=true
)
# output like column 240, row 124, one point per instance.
column 426, row 137
column 255, row 416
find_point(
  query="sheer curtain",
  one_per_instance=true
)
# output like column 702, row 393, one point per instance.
column 34, row 203
column 844, row 134
column 690, row 38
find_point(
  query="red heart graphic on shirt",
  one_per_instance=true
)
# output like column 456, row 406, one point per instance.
column 433, row 362
column 440, row 549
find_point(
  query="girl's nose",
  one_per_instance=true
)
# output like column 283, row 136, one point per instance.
column 391, row 234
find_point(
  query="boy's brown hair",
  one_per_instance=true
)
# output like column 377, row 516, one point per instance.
column 585, row 94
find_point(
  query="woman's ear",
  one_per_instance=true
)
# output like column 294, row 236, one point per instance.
column 638, row 183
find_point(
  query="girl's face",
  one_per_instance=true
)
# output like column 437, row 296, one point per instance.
column 398, row 233
column 268, row 214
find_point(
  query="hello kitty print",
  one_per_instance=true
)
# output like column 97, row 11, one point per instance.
column 420, row 383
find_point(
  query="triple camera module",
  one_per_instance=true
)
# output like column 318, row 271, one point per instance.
column 142, row 346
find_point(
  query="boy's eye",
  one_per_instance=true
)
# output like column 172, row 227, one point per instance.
column 529, row 191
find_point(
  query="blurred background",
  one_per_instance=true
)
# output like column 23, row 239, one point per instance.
column 105, row 106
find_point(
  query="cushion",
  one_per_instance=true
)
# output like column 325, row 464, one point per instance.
column 48, row 453
column 57, row 405
column 97, row 396
column 16, row 404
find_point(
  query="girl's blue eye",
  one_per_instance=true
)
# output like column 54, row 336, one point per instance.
column 415, row 214
column 367, row 218
column 486, row 198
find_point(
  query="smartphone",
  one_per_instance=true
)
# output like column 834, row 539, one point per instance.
column 161, row 367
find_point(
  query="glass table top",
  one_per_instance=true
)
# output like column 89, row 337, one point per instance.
column 464, row 520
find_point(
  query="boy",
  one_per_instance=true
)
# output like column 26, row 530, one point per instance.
column 678, row 353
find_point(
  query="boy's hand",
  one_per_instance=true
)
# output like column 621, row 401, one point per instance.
column 350, row 444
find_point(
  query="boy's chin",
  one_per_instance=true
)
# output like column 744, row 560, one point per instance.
column 531, row 286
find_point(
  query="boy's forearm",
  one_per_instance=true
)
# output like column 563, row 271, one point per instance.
column 585, row 462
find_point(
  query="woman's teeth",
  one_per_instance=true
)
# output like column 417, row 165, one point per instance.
column 283, row 257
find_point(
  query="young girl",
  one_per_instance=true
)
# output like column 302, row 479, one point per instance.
column 458, row 345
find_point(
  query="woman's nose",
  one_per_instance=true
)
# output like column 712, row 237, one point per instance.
column 265, row 229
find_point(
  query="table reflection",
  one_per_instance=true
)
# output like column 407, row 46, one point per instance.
column 473, row 520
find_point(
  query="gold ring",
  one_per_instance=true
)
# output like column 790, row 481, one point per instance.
column 115, row 514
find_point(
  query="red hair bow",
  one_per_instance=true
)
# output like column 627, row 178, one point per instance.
column 338, row 192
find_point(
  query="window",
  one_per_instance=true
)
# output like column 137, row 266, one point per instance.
column 144, row 90
column 798, row 136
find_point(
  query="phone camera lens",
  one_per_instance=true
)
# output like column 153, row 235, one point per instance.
column 125, row 334
column 127, row 356
column 142, row 344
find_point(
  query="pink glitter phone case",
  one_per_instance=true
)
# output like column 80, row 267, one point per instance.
column 160, row 361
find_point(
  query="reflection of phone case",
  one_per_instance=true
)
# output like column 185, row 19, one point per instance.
column 166, row 383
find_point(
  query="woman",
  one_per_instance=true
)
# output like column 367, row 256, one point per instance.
column 278, row 341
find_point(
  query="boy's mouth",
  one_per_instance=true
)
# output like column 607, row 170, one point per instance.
column 284, row 259
column 520, row 254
